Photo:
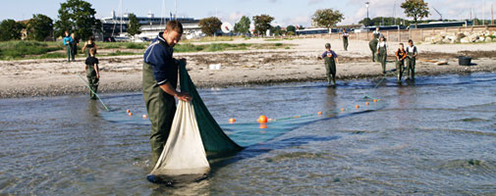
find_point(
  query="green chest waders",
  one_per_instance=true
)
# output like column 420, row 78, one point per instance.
column 161, row 108
column 382, row 58
column 92, row 80
column 373, row 48
column 345, row 43
column 410, row 65
column 400, row 68
column 330, row 65
column 70, row 55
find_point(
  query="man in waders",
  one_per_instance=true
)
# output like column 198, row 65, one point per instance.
column 412, row 53
column 345, row 39
column 92, row 73
column 68, row 46
column 400, row 61
column 382, row 48
column 330, row 58
column 373, row 46
column 160, row 73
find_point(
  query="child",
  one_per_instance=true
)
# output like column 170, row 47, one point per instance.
column 410, row 61
column 92, row 72
column 400, row 61
column 382, row 48
column 331, row 58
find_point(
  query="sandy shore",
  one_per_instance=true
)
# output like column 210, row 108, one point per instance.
column 51, row 77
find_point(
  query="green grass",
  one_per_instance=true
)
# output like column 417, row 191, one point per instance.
column 119, row 53
column 212, row 39
column 12, row 50
column 53, row 55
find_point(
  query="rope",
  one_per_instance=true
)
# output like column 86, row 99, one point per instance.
column 87, row 85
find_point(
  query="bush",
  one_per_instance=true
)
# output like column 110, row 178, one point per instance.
column 119, row 53
column 278, row 44
column 188, row 48
column 135, row 46
column 20, row 49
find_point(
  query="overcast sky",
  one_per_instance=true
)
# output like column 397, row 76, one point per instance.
column 285, row 12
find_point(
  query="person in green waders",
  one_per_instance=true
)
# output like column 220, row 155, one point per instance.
column 345, row 39
column 373, row 46
column 330, row 59
column 412, row 53
column 74, row 45
column 382, row 48
column 92, row 73
column 68, row 46
column 160, row 74
column 88, row 45
column 400, row 61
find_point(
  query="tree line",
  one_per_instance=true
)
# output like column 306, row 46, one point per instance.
column 78, row 16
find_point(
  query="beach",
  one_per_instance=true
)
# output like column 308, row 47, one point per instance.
column 296, row 63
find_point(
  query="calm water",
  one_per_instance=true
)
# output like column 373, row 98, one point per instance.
column 437, row 136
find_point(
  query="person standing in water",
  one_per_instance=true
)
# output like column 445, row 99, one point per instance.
column 400, row 61
column 92, row 72
column 382, row 48
column 345, row 39
column 160, row 73
column 88, row 45
column 330, row 58
column 412, row 53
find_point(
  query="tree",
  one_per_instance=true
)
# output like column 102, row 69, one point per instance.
column 10, row 30
column 277, row 31
column 210, row 25
column 327, row 17
column 291, row 28
column 133, row 26
column 417, row 9
column 39, row 27
column 79, row 17
column 262, row 23
column 243, row 26
column 366, row 22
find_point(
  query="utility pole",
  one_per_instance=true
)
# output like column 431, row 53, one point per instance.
column 121, row 17
column 492, row 15
column 367, row 5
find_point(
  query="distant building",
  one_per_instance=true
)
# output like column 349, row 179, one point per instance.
column 150, row 25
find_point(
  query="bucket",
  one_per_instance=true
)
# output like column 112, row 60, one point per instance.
column 464, row 60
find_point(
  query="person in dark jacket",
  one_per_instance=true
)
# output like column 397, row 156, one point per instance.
column 160, row 74
column 92, row 73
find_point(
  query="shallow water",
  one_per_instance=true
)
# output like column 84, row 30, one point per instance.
column 437, row 136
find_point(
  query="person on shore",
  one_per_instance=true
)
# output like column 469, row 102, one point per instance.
column 88, row 45
column 68, row 46
column 74, row 45
column 160, row 73
column 412, row 53
column 382, row 48
column 330, row 59
column 345, row 39
column 92, row 72
column 400, row 61
column 373, row 46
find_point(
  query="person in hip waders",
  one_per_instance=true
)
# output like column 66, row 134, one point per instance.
column 400, row 61
column 373, row 46
column 68, row 46
column 330, row 59
column 92, row 73
column 412, row 53
column 382, row 48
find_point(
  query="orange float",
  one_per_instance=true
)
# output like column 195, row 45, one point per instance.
column 232, row 120
column 128, row 111
column 262, row 119
column 319, row 113
column 130, row 114
column 367, row 103
column 357, row 106
column 145, row 116
column 375, row 100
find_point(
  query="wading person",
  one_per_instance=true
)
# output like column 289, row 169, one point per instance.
column 330, row 59
column 345, row 39
column 412, row 53
column 373, row 46
column 400, row 60
column 68, row 46
column 74, row 45
column 88, row 45
column 382, row 48
column 160, row 73
column 92, row 73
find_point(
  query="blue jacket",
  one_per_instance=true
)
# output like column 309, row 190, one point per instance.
column 159, row 56
column 68, row 38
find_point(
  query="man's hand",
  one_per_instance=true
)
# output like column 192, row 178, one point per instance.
column 183, row 96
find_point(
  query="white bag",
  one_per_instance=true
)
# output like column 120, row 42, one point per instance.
column 183, row 152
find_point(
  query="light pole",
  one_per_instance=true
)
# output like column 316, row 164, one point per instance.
column 367, row 5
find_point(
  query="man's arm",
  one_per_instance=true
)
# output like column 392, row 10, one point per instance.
column 167, row 87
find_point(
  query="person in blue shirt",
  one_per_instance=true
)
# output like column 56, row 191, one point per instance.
column 330, row 58
column 160, row 74
column 68, row 45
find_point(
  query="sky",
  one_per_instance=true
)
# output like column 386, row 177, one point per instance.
column 285, row 12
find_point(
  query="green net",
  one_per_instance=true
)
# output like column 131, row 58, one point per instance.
column 213, row 138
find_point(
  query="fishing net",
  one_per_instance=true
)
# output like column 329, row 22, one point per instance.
column 213, row 138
